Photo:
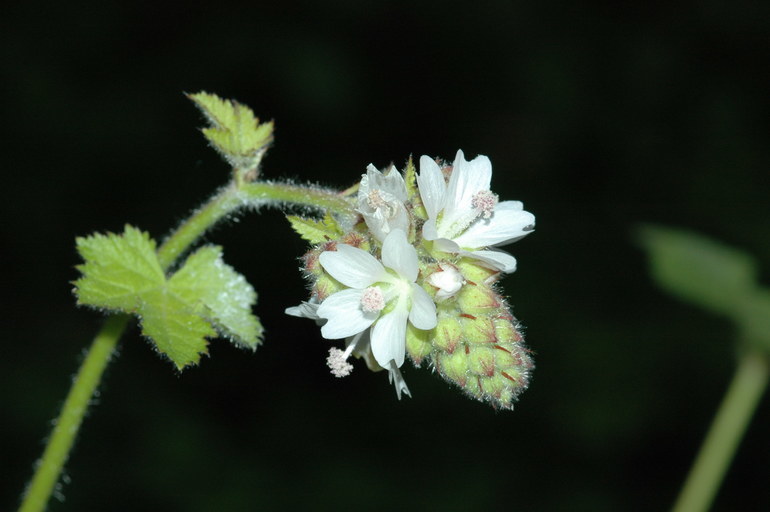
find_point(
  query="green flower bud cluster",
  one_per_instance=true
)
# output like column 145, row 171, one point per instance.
column 477, row 344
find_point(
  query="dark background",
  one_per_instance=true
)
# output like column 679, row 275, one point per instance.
column 599, row 117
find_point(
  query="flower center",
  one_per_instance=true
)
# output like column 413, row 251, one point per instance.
column 375, row 199
column 383, row 202
column 372, row 300
column 484, row 203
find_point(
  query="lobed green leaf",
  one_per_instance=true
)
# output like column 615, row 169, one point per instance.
column 221, row 295
column 178, row 314
column 117, row 269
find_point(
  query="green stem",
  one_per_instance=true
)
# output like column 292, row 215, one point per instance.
column 232, row 198
column 60, row 442
column 226, row 201
column 297, row 195
column 727, row 429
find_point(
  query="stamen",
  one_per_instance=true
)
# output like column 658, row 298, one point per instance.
column 337, row 363
column 484, row 202
column 375, row 199
column 372, row 300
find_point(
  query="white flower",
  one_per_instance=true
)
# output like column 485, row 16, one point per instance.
column 358, row 345
column 448, row 280
column 464, row 216
column 372, row 290
column 381, row 201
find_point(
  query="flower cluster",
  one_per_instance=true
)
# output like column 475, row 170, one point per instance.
column 417, row 275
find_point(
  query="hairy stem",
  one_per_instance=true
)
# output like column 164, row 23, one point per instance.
column 67, row 425
column 228, row 200
column 727, row 429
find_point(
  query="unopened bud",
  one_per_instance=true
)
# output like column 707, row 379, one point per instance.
column 474, row 272
column 448, row 333
column 478, row 299
column 418, row 344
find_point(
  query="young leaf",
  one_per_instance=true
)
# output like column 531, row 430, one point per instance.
column 122, row 273
column 316, row 231
column 698, row 270
column 235, row 132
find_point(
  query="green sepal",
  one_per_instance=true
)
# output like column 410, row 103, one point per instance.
column 235, row 131
column 316, row 231
column 122, row 273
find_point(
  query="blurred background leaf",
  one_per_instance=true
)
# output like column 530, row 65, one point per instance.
column 699, row 270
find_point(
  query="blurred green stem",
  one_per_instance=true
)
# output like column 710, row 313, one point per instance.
column 68, row 423
column 727, row 429
column 227, row 201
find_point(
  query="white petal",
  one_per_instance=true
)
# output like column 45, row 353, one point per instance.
column 352, row 266
column 423, row 312
column 344, row 314
column 467, row 179
column 432, row 186
column 505, row 226
column 448, row 281
column 429, row 230
column 377, row 224
column 304, row 310
column 498, row 260
column 446, row 245
column 400, row 255
column 389, row 337
column 395, row 184
column 392, row 182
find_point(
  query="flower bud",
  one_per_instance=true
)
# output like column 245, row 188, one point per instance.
column 479, row 298
column 448, row 333
column 418, row 344
column 474, row 272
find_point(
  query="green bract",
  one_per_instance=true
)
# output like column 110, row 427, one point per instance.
column 178, row 312
column 316, row 231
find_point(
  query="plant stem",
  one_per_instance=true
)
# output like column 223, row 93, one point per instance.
column 226, row 201
column 232, row 198
column 63, row 435
column 727, row 429
column 297, row 195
